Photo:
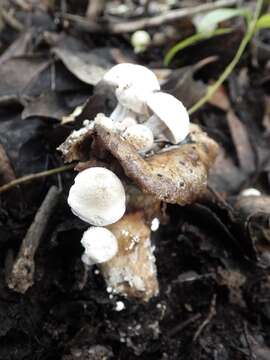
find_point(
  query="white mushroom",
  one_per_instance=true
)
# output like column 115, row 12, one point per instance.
column 100, row 245
column 97, row 196
column 132, row 83
column 250, row 192
column 140, row 136
column 123, row 125
column 140, row 40
column 170, row 118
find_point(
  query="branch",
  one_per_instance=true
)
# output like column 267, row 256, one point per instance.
column 21, row 276
column 131, row 26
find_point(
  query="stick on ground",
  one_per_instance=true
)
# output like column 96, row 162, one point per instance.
column 21, row 276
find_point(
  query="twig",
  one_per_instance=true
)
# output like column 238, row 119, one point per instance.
column 94, row 9
column 130, row 26
column 211, row 314
column 184, row 324
column 11, row 20
column 6, row 172
column 36, row 176
column 251, row 356
column 21, row 276
column 169, row 16
column 213, row 88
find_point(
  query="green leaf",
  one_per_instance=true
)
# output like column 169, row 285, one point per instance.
column 190, row 41
column 263, row 22
column 210, row 21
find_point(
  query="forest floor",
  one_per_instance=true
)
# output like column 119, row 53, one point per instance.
column 213, row 257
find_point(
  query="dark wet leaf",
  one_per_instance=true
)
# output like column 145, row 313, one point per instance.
column 225, row 176
column 86, row 66
column 244, row 150
column 17, row 74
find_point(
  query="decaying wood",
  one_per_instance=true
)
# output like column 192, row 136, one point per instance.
column 132, row 271
column 21, row 276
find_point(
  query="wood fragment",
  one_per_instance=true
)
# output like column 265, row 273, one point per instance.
column 21, row 276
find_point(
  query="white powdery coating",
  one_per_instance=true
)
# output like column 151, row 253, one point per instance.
column 170, row 117
column 119, row 306
column 100, row 245
column 155, row 224
column 97, row 197
column 140, row 136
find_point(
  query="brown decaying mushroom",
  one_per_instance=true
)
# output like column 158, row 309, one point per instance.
column 177, row 175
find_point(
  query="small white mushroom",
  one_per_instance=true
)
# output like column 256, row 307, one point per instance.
column 140, row 136
column 140, row 40
column 100, row 245
column 132, row 83
column 170, row 118
column 97, row 197
column 250, row 192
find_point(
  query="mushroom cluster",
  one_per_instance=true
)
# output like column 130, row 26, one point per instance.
column 144, row 154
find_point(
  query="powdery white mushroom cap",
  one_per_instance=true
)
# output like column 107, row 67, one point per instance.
column 97, row 197
column 100, row 245
column 140, row 136
column 170, row 117
column 132, row 83
column 251, row 192
column 127, row 74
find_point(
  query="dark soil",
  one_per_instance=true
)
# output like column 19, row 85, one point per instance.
column 212, row 256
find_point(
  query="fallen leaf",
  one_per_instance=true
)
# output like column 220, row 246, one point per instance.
column 244, row 150
column 86, row 66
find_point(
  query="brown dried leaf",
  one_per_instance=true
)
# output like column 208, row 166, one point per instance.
column 244, row 150
column 87, row 67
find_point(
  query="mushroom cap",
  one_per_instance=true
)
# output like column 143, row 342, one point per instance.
column 132, row 85
column 97, row 196
column 140, row 40
column 140, row 136
column 172, row 113
column 131, row 74
column 100, row 245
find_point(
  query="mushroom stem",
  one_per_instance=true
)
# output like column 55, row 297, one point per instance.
column 132, row 271
column 157, row 127
column 119, row 113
